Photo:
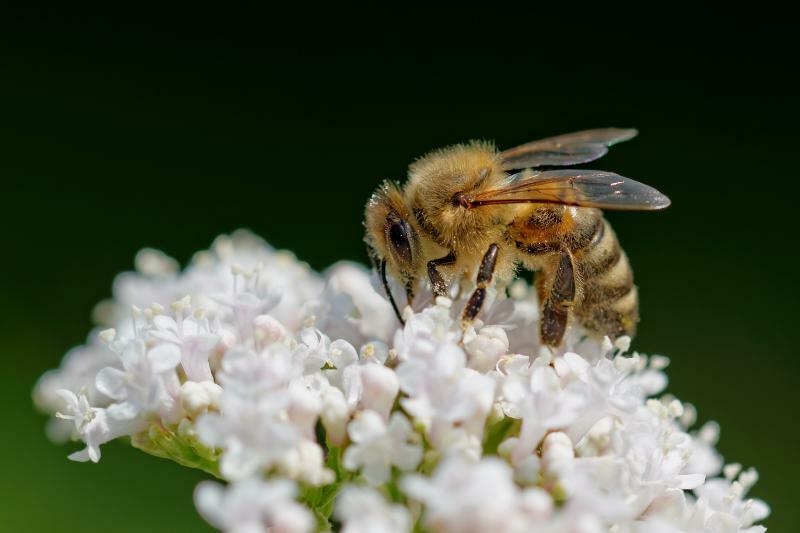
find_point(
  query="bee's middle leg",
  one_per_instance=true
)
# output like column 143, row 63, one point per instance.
column 438, row 283
column 556, row 306
column 485, row 273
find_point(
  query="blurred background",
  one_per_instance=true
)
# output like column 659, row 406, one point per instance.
column 124, row 130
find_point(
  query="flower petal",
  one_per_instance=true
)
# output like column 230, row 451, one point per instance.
column 164, row 357
column 111, row 382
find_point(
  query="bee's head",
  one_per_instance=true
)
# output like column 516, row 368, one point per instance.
column 392, row 239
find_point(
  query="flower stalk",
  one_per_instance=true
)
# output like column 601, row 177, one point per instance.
column 183, row 448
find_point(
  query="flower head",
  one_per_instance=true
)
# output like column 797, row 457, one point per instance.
column 305, row 394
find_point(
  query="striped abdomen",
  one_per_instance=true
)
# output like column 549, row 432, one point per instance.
column 605, row 299
column 609, row 303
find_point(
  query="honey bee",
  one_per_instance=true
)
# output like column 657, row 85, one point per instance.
column 471, row 211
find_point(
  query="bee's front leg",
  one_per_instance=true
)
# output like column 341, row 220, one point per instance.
column 556, row 305
column 484, row 278
column 388, row 289
column 438, row 283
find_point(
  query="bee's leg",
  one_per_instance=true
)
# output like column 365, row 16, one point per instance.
column 484, row 278
column 409, row 292
column 437, row 281
column 556, row 306
column 382, row 271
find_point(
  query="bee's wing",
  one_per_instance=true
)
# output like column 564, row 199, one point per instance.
column 570, row 149
column 585, row 188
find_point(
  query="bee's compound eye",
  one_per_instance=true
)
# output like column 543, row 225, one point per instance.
column 400, row 237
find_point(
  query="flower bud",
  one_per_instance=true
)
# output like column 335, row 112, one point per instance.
column 380, row 388
column 526, row 472
column 227, row 340
column 194, row 398
column 214, row 392
column 506, row 447
column 304, row 410
column 623, row 344
column 731, row 471
column 334, row 415
column 108, row 335
column 268, row 329
column 155, row 263
column 557, row 453
column 537, row 503
column 305, row 462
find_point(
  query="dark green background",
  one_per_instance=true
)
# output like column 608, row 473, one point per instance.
column 122, row 131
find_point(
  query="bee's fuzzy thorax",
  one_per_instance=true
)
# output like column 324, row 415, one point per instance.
column 436, row 181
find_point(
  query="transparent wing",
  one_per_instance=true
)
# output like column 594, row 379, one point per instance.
column 585, row 188
column 570, row 149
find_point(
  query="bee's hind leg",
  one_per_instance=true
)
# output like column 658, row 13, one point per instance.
column 556, row 306
column 485, row 273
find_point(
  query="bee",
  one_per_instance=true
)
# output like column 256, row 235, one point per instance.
column 469, row 211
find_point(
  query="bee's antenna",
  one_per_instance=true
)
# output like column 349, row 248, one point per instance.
column 389, row 291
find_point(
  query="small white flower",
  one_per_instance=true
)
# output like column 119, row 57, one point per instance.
column 377, row 447
column 542, row 403
column 193, row 338
column 252, row 375
column 76, row 373
column 252, row 434
column 365, row 382
column 605, row 389
column 77, row 409
column 349, row 307
column 343, row 357
column 722, row 506
column 442, row 393
column 485, row 347
column 426, row 332
column 364, row 510
column 253, row 506
column 93, row 425
column 146, row 384
column 462, row 496
column 246, row 305
column 314, row 350
column 704, row 459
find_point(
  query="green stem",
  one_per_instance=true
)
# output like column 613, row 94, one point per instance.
column 498, row 432
column 321, row 500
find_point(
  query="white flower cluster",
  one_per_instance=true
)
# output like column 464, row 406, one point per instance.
column 304, row 395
